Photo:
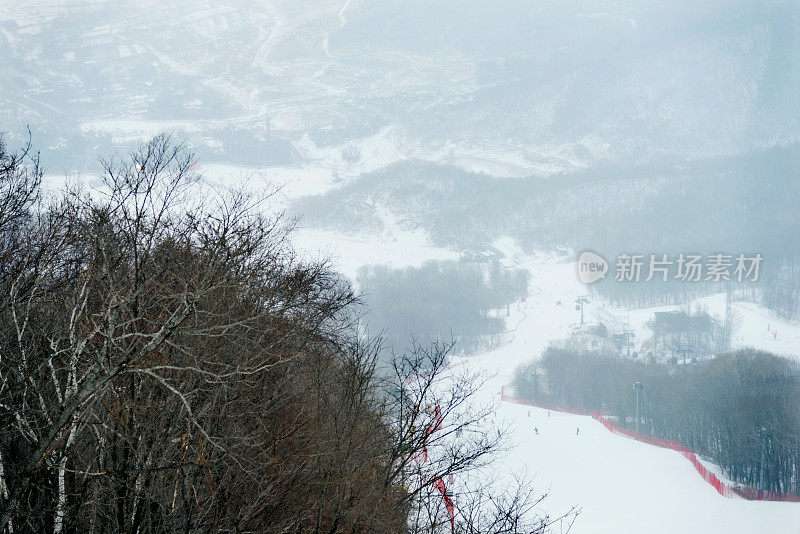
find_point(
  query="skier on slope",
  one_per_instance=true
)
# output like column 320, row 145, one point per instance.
column 577, row 431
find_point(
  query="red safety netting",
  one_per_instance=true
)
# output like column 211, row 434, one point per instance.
column 422, row 456
column 448, row 502
column 726, row 490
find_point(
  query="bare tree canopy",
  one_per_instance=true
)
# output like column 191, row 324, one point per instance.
column 172, row 367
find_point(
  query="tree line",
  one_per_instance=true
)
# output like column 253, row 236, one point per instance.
column 466, row 302
column 738, row 410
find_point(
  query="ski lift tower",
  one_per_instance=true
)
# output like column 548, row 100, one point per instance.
column 580, row 301
column 628, row 331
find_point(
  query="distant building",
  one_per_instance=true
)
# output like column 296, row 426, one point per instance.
column 590, row 329
column 678, row 334
column 506, row 263
column 481, row 254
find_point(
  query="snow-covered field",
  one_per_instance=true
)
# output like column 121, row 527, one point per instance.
column 620, row 485
column 348, row 253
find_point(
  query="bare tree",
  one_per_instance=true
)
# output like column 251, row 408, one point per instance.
column 443, row 450
column 170, row 365
column 132, row 298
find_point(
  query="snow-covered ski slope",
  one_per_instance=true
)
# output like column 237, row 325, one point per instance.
column 621, row 486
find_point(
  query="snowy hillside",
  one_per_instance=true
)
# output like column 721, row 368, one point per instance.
column 563, row 86
column 444, row 158
column 620, row 485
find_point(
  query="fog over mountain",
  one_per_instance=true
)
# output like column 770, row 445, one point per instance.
column 400, row 266
column 557, row 85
